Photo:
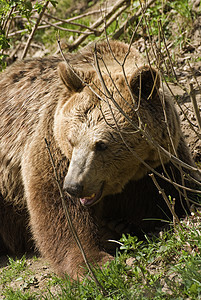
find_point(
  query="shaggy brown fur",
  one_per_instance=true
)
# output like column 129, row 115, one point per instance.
column 96, row 164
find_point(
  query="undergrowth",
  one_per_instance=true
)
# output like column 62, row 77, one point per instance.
column 166, row 267
column 176, row 18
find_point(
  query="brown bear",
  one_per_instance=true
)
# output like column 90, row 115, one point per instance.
column 108, row 124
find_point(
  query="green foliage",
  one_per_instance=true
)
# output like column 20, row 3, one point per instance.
column 25, row 9
column 129, row 243
column 161, row 11
column 62, row 6
column 165, row 13
column 11, row 294
column 160, row 268
column 168, row 267
column 4, row 42
column 183, row 7
column 15, row 268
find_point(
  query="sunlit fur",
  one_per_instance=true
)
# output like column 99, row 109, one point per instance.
column 43, row 98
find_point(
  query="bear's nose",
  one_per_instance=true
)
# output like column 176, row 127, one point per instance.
column 74, row 189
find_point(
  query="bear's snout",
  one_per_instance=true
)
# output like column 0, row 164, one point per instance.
column 73, row 189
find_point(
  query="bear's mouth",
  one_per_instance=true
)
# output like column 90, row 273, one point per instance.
column 89, row 201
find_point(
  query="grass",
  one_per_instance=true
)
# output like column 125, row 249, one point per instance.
column 168, row 267
column 15, row 268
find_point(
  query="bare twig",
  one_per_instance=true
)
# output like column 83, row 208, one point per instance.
column 136, row 106
column 180, row 107
column 98, row 11
column 33, row 30
column 167, row 51
column 8, row 18
column 61, row 21
column 161, row 33
column 165, row 198
column 176, row 81
column 114, row 17
column 71, row 30
column 69, row 21
column 97, row 23
column 96, row 32
column 195, row 105
column 193, row 73
column 130, row 21
column 173, row 158
column 72, row 228
column 146, row 135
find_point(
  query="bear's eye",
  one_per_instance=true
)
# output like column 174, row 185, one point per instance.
column 100, row 146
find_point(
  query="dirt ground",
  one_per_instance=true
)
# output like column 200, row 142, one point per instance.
column 186, row 74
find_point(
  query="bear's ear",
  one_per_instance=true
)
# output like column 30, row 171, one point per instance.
column 145, row 83
column 69, row 77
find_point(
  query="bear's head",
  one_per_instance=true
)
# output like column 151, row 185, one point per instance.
column 98, row 129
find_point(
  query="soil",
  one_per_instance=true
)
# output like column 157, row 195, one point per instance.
column 186, row 73
column 34, row 279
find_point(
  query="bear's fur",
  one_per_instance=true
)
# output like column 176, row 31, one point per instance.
column 100, row 154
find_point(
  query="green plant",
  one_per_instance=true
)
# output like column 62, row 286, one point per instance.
column 8, row 11
column 165, row 12
column 15, row 267
column 159, row 267
column 11, row 294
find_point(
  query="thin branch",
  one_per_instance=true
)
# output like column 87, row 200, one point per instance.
column 97, row 23
column 68, row 217
column 164, row 197
column 167, row 51
column 195, row 105
column 69, row 21
column 96, row 32
column 77, row 17
column 114, row 17
column 168, row 86
column 123, row 64
column 8, row 17
column 71, row 30
column 180, row 107
column 61, row 21
column 33, row 30
column 194, row 76
column 143, row 7
column 168, row 154
column 130, row 21
column 146, row 135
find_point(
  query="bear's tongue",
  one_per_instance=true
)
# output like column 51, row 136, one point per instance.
column 88, row 200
